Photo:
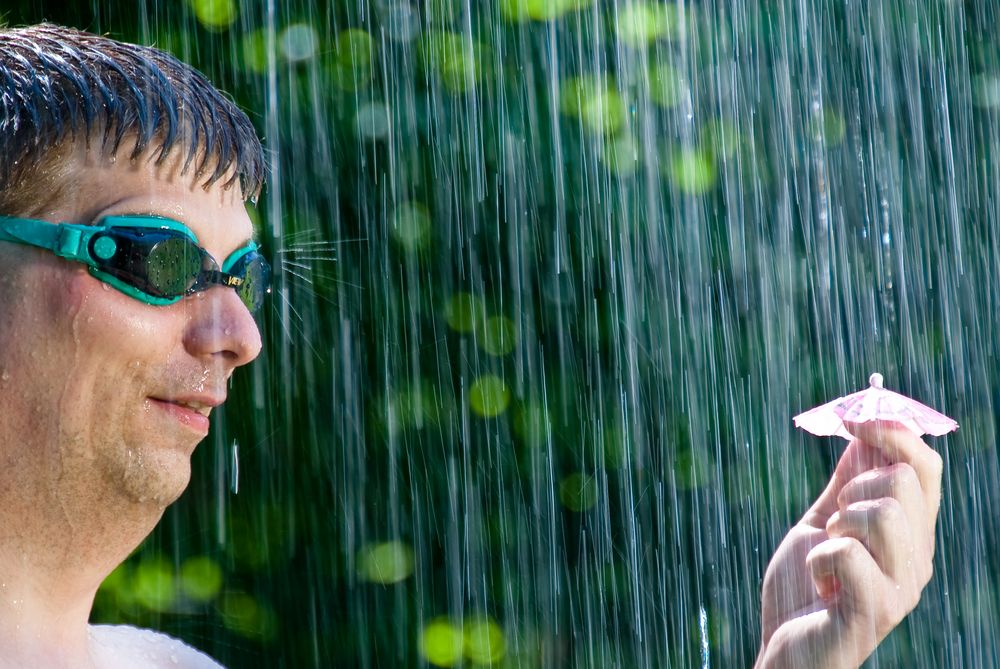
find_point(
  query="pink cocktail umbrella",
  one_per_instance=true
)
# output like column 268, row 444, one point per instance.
column 874, row 403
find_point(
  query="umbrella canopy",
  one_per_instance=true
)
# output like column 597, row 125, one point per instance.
column 874, row 403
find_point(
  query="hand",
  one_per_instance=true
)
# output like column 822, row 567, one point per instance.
column 856, row 563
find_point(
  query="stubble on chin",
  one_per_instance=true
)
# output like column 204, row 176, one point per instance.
column 153, row 476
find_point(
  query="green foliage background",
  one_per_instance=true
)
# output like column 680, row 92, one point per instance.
column 552, row 278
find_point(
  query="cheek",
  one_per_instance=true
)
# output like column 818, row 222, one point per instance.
column 105, row 318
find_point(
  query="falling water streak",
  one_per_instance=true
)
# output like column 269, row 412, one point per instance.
column 234, row 464
column 703, row 632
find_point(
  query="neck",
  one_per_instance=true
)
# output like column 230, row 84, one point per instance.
column 39, row 628
column 55, row 551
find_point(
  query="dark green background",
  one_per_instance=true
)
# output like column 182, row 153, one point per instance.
column 542, row 317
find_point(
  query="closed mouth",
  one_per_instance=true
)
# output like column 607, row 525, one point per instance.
column 201, row 406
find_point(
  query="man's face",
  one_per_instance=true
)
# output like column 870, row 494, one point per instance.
column 108, row 395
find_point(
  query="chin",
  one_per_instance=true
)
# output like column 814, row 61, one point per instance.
column 156, row 476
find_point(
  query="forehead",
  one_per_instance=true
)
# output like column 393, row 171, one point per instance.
column 86, row 185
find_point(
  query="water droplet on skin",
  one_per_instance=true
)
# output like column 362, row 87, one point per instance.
column 5, row 376
column 228, row 332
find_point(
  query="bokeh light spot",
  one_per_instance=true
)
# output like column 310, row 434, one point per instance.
column 485, row 641
column 721, row 137
column 464, row 312
column 621, row 155
column 517, row 11
column 489, row 396
column 298, row 42
column 595, row 101
column 411, row 226
column 499, row 336
column 372, row 121
column 153, row 584
column 402, row 23
column 666, row 85
column 215, row 14
column 386, row 563
column 532, row 424
column 693, row 171
column 441, row 643
column 255, row 51
column 641, row 23
column 201, row 578
column 578, row 492
column 352, row 59
column 453, row 59
column 986, row 91
column 415, row 406
column 244, row 615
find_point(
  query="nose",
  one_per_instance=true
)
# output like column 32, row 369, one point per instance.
column 221, row 328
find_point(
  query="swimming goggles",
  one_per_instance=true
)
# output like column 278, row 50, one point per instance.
column 155, row 260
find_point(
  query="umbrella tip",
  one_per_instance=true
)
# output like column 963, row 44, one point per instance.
column 875, row 380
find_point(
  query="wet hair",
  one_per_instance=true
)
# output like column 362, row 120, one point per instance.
column 60, row 86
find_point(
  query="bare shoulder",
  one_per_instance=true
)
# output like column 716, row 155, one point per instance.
column 120, row 646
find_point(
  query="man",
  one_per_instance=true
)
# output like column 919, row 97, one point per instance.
column 112, row 356
column 856, row 563
column 113, row 351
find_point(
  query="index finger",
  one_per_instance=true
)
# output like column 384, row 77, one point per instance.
column 899, row 444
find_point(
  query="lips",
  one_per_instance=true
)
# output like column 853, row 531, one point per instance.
column 194, row 405
column 189, row 411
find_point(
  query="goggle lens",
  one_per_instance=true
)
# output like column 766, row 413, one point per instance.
column 167, row 264
column 173, row 266
column 256, row 275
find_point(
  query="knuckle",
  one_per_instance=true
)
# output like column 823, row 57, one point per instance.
column 832, row 552
column 880, row 515
column 861, row 486
column 846, row 548
column 890, row 510
column 904, row 475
